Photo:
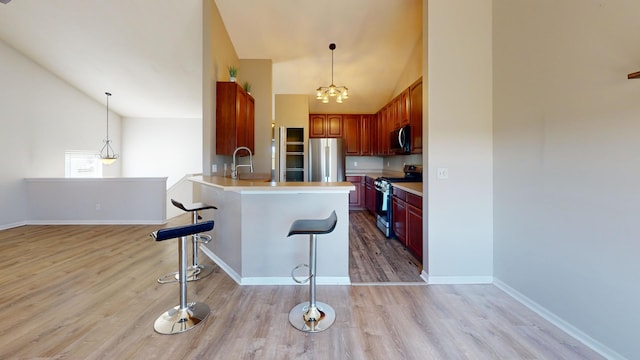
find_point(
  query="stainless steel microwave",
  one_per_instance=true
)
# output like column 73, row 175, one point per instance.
column 400, row 140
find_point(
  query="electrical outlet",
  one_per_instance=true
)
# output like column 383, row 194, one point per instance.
column 214, row 168
column 355, row 163
column 98, row 207
column 442, row 173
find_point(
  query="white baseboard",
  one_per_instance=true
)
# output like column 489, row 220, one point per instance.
column 456, row 280
column 558, row 321
column 275, row 280
column 12, row 225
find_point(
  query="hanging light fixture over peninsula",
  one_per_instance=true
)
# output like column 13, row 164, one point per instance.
column 339, row 92
column 107, row 154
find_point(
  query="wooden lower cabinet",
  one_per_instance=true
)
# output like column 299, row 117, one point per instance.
column 356, row 197
column 370, row 195
column 399, row 208
column 407, row 221
column 414, row 231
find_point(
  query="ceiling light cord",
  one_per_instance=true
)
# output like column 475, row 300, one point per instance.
column 107, row 154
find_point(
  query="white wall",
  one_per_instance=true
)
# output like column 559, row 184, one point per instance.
column 567, row 169
column 459, row 98
column 41, row 116
column 162, row 148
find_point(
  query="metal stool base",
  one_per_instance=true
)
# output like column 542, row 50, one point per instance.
column 177, row 320
column 297, row 317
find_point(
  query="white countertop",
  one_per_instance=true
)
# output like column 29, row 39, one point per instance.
column 253, row 186
column 414, row 188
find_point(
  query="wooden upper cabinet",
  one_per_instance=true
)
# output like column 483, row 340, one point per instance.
column 317, row 127
column 334, row 126
column 325, row 125
column 366, row 137
column 404, row 108
column 415, row 116
column 235, row 118
column 351, row 126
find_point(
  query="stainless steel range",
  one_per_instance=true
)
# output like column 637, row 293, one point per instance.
column 384, row 193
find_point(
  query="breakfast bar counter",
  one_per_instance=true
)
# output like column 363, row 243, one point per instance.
column 252, row 221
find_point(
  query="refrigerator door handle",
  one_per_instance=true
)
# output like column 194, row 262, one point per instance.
column 327, row 163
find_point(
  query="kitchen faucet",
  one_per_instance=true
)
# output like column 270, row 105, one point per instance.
column 234, row 167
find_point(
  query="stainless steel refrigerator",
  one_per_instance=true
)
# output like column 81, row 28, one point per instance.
column 326, row 160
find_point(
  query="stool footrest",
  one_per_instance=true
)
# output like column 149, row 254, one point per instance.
column 303, row 281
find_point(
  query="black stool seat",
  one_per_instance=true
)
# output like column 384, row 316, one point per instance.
column 179, row 231
column 323, row 226
column 192, row 207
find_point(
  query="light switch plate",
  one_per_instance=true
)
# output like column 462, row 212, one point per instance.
column 442, row 173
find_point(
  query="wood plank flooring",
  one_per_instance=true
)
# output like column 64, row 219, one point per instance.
column 90, row 292
column 375, row 259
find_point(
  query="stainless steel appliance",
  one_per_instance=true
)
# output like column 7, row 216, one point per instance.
column 326, row 159
column 384, row 193
column 400, row 140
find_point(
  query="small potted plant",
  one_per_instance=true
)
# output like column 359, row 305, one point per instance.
column 247, row 87
column 233, row 73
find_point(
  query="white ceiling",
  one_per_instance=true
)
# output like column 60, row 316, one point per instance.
column 148, row 53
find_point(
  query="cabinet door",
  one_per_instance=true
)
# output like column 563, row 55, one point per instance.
column 317, row 126
column 370, row 197
column 356, row 198
column 365, row 135
column 415, row 116
column 399, row 208
column 414, row 231
column 242, row 122
column 404, row 107
column 333, row 126
column 250, row 123
column 351, row 128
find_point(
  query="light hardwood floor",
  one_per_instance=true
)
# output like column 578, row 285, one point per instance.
column 375, row 259
column 90, row 292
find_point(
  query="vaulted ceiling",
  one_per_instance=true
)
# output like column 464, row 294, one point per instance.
column 148, row 53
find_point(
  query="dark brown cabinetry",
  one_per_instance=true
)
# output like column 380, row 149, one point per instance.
column 357, row 197
column 366, row 134
column 352, row 128
column 369, row 195
column 407, row 220
column 325, row 125
column 235, row 118
column 415, row 117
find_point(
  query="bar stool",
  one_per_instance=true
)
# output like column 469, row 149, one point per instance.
column 186, row 315
column 196, row 271
column 312, row 315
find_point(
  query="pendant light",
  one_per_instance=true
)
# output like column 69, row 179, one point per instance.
column 339, row 92
column 107, row 154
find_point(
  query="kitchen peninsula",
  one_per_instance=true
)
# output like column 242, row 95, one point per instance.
column 252, row 222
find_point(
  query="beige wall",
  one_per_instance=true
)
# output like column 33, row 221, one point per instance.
column 258, row 74
column 459, row 88
column 218, row 54
column 567, row 140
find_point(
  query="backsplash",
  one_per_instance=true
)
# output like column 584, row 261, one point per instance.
column 379, row 163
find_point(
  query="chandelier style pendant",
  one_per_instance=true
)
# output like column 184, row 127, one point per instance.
column 107, row 154
column 323, row 93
